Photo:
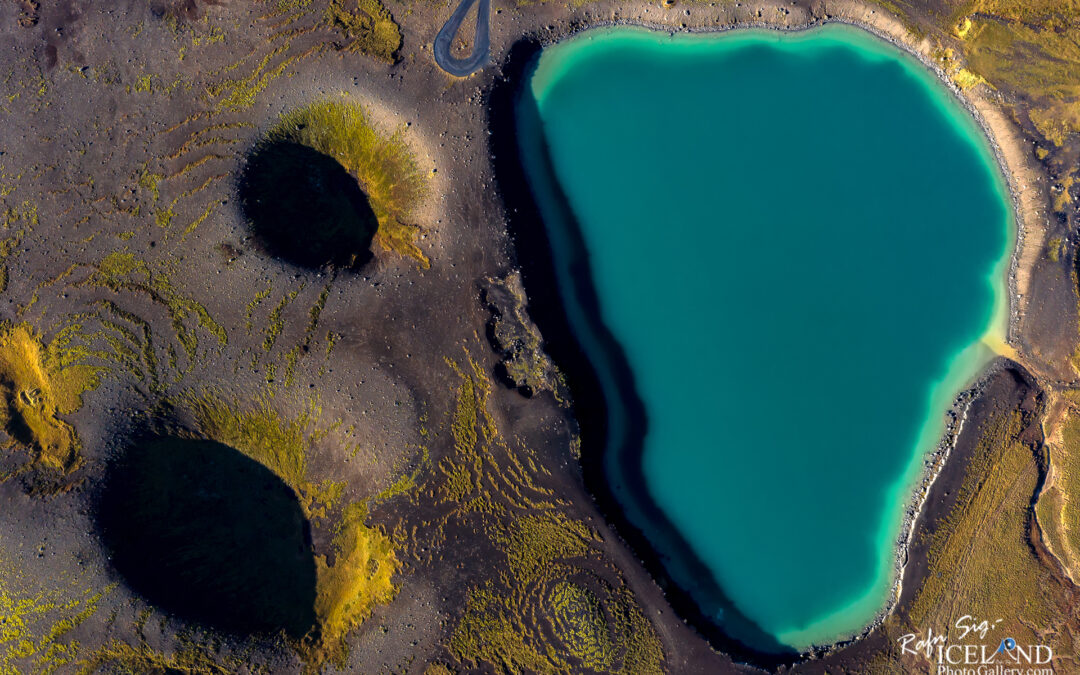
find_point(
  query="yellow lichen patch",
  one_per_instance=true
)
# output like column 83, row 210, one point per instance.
column 1063, row 198
column 462, row 471
column 35, row 626
column 536, row 541
column 359, row 579
column 965, row 79
column 382, row 163
column 32, row 632
column 466, row 415
column 487, row 633
column 39, row 385
column 120, row 657
column 369, row 27
column 579, row 619
column 642, row 652
column 125, row 336
column 1032, row 51
column 963, row 27
column 260, row 433
column 122, row 270
column 484, row 473
column 240, row 94
column 1058, row 508
column 1056, row 122
column 554, row 625
column 457, row 485
column 982, row 560
column 542, row 608
column 1054, row 249
column 150, row 182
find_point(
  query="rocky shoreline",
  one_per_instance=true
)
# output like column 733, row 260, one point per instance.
column 935, row 463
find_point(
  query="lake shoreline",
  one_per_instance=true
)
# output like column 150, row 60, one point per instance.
column 1006, row 155
column 533, row 257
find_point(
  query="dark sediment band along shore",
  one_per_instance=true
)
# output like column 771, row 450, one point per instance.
column 534, row 256
column 481, row 40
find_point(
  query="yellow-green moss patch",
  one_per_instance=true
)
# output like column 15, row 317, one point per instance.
column 542, row 608
column 982, row 560
column 35, row 623
column 38, row 385
column 260, row 433
column 359, row 579
column 1058, row 508
column 582, row 626
column 368, row 26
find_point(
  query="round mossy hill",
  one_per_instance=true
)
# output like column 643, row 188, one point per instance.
column 325, row 181
column 204, row 532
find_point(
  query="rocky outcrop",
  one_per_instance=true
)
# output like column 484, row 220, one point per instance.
column 524, row 366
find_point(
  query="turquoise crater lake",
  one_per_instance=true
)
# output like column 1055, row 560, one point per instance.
column 796, row 244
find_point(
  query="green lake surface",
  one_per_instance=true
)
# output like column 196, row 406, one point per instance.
column 800, row 243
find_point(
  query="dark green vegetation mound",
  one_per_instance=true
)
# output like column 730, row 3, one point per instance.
column 204, row 532
column 305, row 208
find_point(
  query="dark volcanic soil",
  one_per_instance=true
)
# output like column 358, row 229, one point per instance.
column 123, row 130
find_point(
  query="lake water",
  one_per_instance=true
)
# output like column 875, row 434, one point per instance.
column 799, row 241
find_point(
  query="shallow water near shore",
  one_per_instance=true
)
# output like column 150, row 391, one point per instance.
column 797, row 244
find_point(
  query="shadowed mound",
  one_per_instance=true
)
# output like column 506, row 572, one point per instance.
column 305, row 208
column 206, row 533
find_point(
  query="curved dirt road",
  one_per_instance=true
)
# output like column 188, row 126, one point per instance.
column 481, row 41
